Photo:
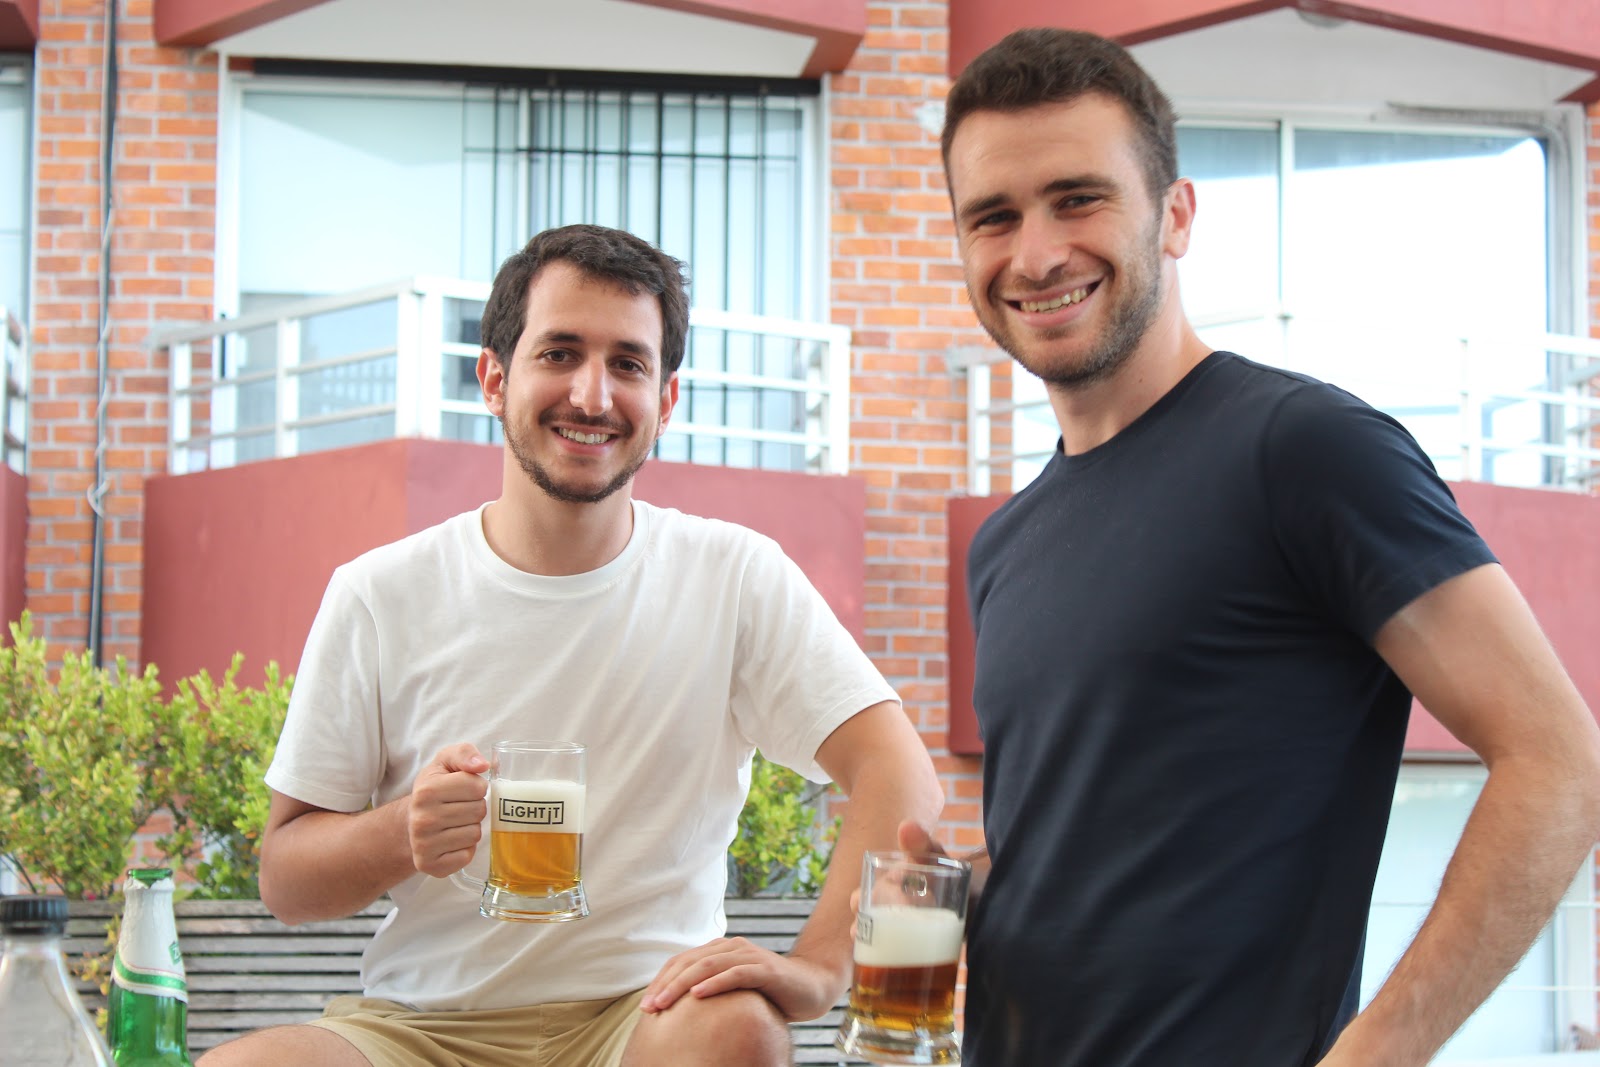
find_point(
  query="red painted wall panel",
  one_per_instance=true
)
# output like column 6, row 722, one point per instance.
column 13, row 545
column 1555, row 30
column 1548, row 542
column 237, row 559
column 19, row 25
column 837, row 25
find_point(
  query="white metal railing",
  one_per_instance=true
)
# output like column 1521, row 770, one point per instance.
column 1455, row 393
column 14, row 383
column 398, row 360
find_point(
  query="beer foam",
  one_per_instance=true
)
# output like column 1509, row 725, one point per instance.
column 906, row 936
column 550, row 806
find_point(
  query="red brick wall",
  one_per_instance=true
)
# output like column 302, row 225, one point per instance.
column 897, row 285
column 164, row 182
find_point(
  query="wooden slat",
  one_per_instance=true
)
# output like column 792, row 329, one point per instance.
column 325, row 984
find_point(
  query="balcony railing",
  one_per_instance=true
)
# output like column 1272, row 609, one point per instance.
column 1460, row 396
column 14, row 405
column 399, row 360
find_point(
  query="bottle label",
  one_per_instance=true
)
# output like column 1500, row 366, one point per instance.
column 151, row 983
column 148, row 960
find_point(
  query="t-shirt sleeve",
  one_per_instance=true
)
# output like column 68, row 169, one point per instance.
column 799, row 675
column 1360, row 514
column 331, row 750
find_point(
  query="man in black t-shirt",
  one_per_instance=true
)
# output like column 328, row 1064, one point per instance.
column 1198, row 636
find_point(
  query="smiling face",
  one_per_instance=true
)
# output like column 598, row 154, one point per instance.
column 580, row 398
column 1063, row 245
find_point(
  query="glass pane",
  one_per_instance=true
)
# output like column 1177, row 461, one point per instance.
column 460, row 378
column 331, row 390
column 339, row 191
column 349, row 330
column 1232, row 263
column 1431, row 805
column 344, row 434
column 14, row 126
column 477, row 429
column 1388, row 242
column 462, row 319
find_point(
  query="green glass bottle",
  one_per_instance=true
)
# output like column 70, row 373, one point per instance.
column 149, row 1000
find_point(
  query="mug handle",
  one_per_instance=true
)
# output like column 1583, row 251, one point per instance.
column 463, row 880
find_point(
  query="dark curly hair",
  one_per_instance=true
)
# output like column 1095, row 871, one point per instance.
column 602, row 253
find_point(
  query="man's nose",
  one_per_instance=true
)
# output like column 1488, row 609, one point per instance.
column 591, row 388
column 1041, row 248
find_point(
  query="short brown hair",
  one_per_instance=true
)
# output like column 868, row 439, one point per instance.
column 605, row 254
column 1045, row 66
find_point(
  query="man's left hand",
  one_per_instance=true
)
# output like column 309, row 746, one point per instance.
column 797, row 988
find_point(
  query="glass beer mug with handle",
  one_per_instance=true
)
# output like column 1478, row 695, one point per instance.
column 536, row 801
column 909, row 928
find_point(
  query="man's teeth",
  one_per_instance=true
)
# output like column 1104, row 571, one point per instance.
column 1059, row 302
column 583, row 438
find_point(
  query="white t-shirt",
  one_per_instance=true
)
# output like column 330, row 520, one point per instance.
column 699, row 642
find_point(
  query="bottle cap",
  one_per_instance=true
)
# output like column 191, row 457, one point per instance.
column 150, row 875
column 33, row 914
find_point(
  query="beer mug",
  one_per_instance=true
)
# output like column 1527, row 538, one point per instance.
column 536, row 795
column 909, row 927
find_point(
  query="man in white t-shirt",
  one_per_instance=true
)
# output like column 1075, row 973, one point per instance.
column 672, row 646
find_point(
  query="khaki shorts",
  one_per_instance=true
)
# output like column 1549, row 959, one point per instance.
column 584, row 1033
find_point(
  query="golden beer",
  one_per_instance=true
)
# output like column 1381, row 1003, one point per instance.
column 903, row 986
column 905, row 969
column 536, row 841
column 911, row 999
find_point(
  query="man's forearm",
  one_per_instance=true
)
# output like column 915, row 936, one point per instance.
column 326, row 865
column 1528, row 833
column 880, row 802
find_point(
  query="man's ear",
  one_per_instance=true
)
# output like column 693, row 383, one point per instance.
column 492, row 382
column 669, row 400
column 1177, row 218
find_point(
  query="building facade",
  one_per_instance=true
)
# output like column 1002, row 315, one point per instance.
column 1396, row 195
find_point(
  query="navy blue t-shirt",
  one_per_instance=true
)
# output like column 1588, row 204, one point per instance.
column 1190, row 746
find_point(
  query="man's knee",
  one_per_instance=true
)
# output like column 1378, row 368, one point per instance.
column 739, row 1029
column 304, row 1046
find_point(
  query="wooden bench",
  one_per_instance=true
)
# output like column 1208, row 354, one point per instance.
column 247, row 970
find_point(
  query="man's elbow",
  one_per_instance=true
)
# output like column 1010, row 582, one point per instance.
column 277, row 898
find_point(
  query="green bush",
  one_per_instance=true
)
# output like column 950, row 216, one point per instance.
column 780, row 846
column 224, row 744
column 88, row 754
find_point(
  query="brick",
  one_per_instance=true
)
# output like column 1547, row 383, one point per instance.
column 893, row 269
column 871, row 63
column 892, row 178
column 890, row 316
column 894, row 224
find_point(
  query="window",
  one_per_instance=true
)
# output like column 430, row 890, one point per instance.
column 345, row 185
column 1549, row 992
column 15, row 126
column 14, row 146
